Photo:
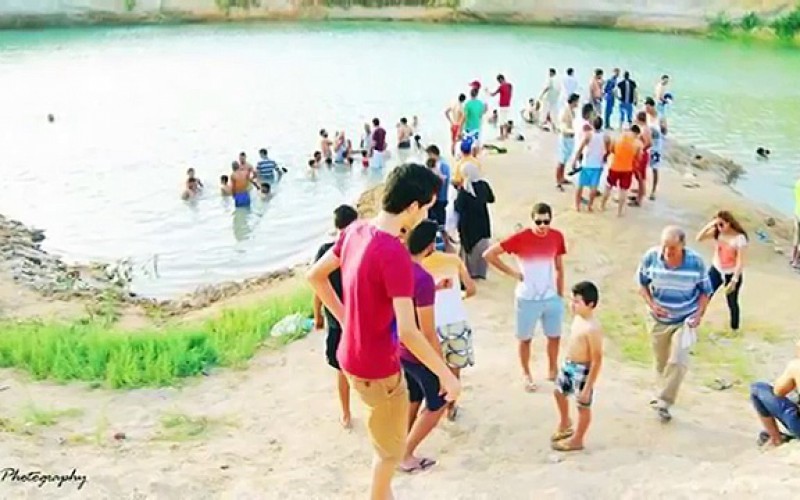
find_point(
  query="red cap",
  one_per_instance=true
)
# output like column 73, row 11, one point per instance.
column 475, row 84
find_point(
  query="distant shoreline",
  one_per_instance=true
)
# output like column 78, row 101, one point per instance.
column 675, row 23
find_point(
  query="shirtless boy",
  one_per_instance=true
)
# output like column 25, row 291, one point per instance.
column 455, row 116
column 325, row 144
column 224, row 185
column 580, row 368
column 241, row 179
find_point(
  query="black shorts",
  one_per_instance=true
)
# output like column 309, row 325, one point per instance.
column 423, row 384
column 332, row 345
column 438, row 212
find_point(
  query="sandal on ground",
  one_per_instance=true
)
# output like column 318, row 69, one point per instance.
column 530, row 385
column 452, row 413
column 562, row 434
column 422, row 465
column 565, row 446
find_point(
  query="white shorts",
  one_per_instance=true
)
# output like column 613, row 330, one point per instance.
column 378, row 159
column 502, row 116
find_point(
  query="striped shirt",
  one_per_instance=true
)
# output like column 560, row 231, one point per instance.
column 266, row 168
column 678, row 289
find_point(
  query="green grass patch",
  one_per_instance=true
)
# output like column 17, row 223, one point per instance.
column 41, row 417
column 93, row 350
column 179, row 427
column 629, row 334
column 725, row 358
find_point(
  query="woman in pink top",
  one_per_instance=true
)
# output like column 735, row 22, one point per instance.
column 731, row 241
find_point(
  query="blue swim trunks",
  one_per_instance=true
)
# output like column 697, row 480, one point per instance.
column 566, row 146
column 241, row 200
column 590, row 177
column 571, row 379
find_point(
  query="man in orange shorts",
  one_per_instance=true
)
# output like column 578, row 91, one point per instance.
column 642, row 160
column 455, row 115
column 625, row 151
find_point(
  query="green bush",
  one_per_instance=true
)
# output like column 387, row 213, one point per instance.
column 750, row 21
column 93, row 351
column 787, row 26
column 721, row 25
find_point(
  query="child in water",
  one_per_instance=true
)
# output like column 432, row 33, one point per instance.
column 224, row 185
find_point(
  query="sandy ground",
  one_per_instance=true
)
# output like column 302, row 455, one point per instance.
column 271, row 431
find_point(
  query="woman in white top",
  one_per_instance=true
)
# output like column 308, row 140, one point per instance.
column 731, row 241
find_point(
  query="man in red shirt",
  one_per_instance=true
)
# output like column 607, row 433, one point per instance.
column 540, row 285
column 378, row 286
column 504, row 90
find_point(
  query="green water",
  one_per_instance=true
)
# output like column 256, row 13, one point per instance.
column 136, row 106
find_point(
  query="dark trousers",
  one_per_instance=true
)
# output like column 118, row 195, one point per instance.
column 717, row 280
column 767, row 404
column 609, row 109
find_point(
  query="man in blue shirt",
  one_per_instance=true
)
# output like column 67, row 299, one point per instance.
column 438, row 212
column 608, row 91
column 674, row 284
column 267, row 168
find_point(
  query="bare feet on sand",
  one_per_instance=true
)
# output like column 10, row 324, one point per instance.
column 346, row 422
column 529, row 384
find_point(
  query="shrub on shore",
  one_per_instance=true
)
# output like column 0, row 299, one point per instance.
column 785, row 27
column 93, row 351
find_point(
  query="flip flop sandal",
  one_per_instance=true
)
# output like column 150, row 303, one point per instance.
column 565, row 446
column 426, row 463
column 530, row 386
column 452, row 413
column 561, row 435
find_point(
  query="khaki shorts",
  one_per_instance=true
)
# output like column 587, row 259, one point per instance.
column 387, row 404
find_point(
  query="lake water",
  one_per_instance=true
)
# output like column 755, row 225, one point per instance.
column 136, row 106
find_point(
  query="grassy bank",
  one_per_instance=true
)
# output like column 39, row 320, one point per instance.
column 94, row 350
column 784, row 28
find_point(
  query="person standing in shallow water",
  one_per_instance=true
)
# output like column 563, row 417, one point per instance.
column 674, row 284
column 343, row 216
column 727, row 267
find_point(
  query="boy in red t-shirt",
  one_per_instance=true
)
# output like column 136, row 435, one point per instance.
column 540, row 288
column 378, row 286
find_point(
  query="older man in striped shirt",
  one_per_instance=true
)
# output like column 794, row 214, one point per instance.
column 674, row 284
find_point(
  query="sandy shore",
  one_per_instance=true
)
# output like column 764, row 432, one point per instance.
column 271, row 431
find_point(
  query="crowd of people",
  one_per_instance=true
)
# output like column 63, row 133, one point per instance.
column 391, row 290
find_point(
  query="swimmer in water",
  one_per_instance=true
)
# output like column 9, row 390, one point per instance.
column 325, row 144
column 243, row 164
column 51, row 118
column 241, row 180
column 190, row 175
column 763, row 154
column 312, row 164
column 343, row 148
column 225, row 186
column 192, row 189
column 317, row 159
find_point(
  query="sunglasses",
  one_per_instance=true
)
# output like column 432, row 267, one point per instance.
column 540, row 222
